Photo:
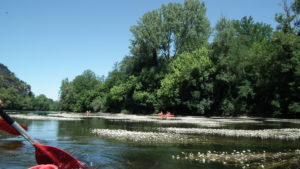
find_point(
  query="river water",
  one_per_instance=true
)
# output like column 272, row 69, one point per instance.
column 113, row 151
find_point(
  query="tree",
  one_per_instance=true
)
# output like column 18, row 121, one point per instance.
column 236, row 64
column 286, row 65
column 79, row 94
column 168, row 31
column 296, row 10
column 66, row 95
column 289, row 20
column 188, row 87
column 41, row 102
column 120, row 96
column 159, row 36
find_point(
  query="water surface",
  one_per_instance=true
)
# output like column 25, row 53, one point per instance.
column 76, row 138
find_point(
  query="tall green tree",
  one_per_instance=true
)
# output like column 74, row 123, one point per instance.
column 170, row 30
column 235, row 74
column 188, row 88
column 289, row 19
column 159, row 36
column 285, row 73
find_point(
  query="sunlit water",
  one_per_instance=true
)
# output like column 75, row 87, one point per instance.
column 111, row 151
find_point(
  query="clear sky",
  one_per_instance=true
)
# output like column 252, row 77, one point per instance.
column 46, row 41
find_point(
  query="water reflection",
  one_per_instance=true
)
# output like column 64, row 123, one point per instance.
column 44, row 130
column 11, row 145
column 79, row 128
column 15, row 153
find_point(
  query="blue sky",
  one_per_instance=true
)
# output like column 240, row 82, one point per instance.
column 44, row 42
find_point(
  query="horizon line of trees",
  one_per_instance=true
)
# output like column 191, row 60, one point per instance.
column 247, row 69
column 12, row 100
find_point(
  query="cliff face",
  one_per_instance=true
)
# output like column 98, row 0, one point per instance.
column 8, row 80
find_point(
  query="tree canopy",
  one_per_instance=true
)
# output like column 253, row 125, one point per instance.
column 247, row 68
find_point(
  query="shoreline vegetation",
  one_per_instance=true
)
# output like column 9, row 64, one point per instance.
column 151, row 118
column 247, row 68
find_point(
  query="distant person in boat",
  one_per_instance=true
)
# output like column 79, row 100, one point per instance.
column 169, row 114
column 88, row 112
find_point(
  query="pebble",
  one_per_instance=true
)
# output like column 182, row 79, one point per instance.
column 248, row 159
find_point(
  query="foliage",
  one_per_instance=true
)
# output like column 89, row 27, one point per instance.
column 41, row 102
column 165, row 32
column 9, row 80
column 81, row 94
column 247, row 69
column 188, row 87
column 289, row 21
column 17, row 95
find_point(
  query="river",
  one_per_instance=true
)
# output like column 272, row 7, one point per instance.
column 146, row 142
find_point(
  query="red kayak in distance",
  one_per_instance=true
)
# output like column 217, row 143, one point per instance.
column 167, row 115
column 164, row 115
